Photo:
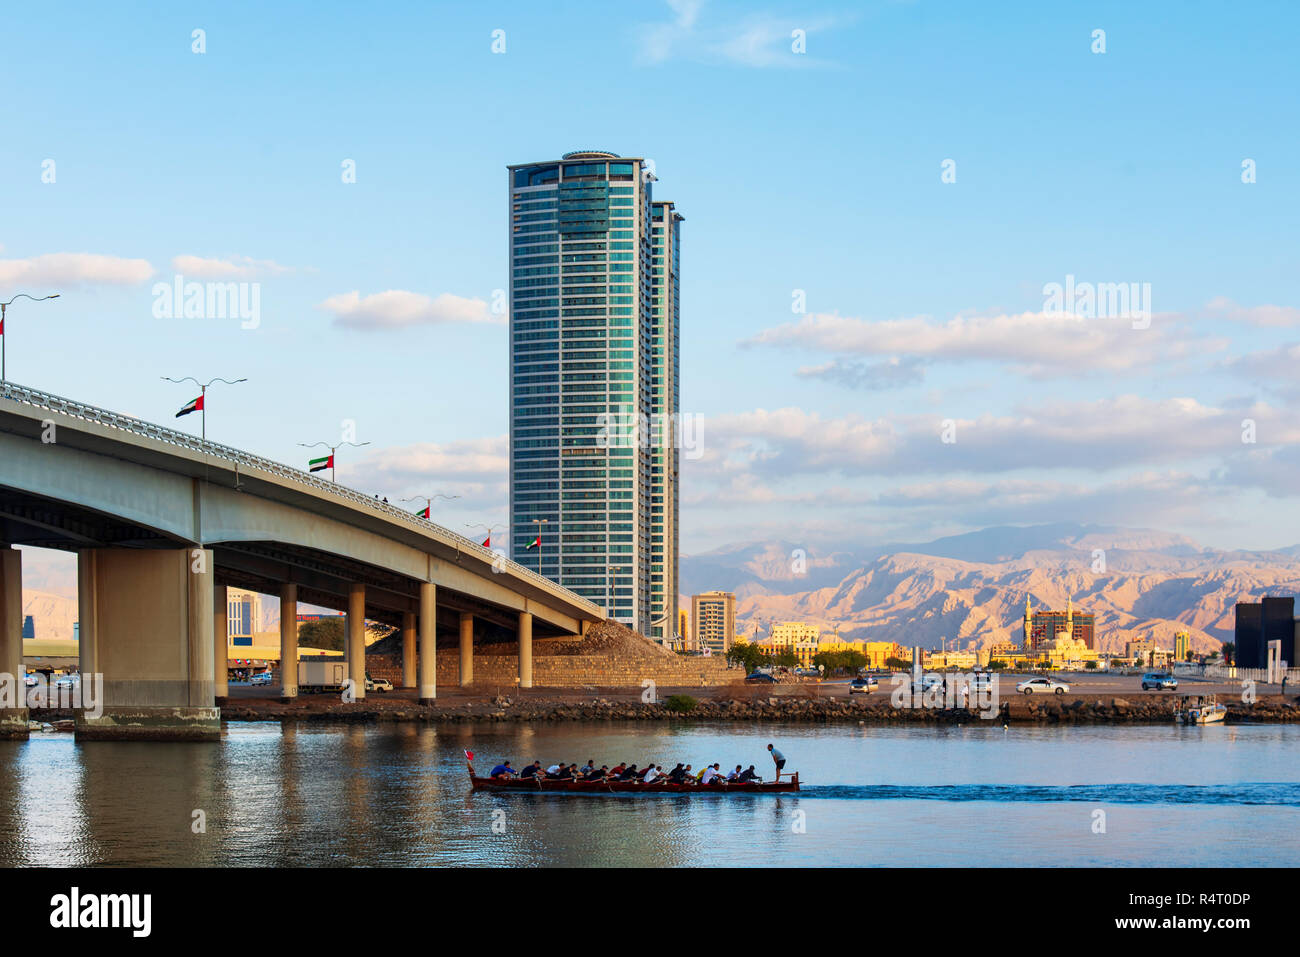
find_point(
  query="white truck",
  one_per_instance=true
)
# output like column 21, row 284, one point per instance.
column 321, row 674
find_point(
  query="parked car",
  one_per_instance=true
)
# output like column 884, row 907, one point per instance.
column 1159, row 681
column 1042, row 686
column 378, row 684
column 261, row 678
column 863, row 685
column 759, row 677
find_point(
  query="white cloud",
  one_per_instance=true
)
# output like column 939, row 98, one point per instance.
column 398, row 308
column 753, row 40
column 1266, row 315
column 1043, row 344
column 235, row 267
column 73, row 269
column 1105, row 434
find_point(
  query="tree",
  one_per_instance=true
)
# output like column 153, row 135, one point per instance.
column 1229, row 652
column 323, row 634
column 833, row 661
column 747, row 655
column 897, row 664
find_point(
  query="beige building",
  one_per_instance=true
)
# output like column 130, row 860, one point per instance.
column 790, row 633
column 713, row 622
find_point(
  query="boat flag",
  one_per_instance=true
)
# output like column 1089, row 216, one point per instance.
column 424, row 512
column 487, row 542
column 469, row 755
column 195, row 406
column 535, row 542
column 320, row 465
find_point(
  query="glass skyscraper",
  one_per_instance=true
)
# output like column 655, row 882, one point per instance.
column 593, row 377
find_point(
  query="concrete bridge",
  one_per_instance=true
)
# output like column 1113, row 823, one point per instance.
column 163, row 523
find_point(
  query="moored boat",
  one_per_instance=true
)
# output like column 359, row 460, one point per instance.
column 1200, row 709
column 540, row 785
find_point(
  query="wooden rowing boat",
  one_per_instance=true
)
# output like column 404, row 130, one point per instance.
column 538, row 785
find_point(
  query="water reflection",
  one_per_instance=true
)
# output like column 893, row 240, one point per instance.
column 398, row 795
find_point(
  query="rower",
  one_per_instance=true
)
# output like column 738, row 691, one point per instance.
column 778, row 758
column 710, row 775
column 748, row 775
column 733, row 775
column 503, row 772
column 651, row 773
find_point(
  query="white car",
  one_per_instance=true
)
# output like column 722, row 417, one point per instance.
column 1042, row 686
column 378, row 684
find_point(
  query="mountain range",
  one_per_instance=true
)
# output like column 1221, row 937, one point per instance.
column 971, row 588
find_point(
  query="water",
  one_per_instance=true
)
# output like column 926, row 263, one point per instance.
column 398, row 795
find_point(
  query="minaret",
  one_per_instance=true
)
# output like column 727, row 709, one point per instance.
column 1029, row 625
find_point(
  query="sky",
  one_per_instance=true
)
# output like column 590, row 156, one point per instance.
column 878, row 197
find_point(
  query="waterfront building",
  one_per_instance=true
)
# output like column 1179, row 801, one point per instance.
column 1182, row 645
column 714, row 621
column 1046, row 625
column 1258, row 623
column 594, row 310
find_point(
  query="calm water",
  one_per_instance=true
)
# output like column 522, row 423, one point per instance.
column 1225, row 796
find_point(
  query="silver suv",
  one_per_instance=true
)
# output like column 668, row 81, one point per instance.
column 1159, row 681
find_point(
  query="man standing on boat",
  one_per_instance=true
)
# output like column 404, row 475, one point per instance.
column 778, row 759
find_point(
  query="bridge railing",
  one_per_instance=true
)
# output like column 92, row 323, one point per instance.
column 244, row 460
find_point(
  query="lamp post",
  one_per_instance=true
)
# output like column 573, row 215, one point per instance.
column 329, row 463
column 428, row 502
column 489, row 530
column 3, row 337
column 202, row 407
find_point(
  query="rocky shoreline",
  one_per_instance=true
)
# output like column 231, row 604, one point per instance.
column 788, row 709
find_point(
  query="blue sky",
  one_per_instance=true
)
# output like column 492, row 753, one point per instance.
column 818, row 172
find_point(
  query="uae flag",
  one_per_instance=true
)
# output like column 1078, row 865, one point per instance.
column 320, row 465
column 195, row 406
column 424, row 512
column 534, row 543
column 487, row 542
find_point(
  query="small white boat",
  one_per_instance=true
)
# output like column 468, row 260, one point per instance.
column 1202, row 709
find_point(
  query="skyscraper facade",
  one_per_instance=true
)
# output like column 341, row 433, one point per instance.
column 593, row 357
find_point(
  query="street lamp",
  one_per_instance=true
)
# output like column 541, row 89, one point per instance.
column 317, row 465
column 428, row 502
column 199, row 404
column 487, row 543
column 3, row 307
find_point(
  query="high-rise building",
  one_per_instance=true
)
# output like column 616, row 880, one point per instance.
column 593, row 380
column 713, row 623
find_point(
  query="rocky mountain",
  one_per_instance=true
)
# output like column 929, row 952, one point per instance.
column 1138, row 582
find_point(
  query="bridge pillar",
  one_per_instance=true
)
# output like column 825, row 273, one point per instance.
column 428, row 642
column 288, row 643
column 408, row 649
column 355, row 643
column 525, row 649
column 13, row 694
column 220, row 645
column 87, row 614
column 153, row 627
column 466, row 650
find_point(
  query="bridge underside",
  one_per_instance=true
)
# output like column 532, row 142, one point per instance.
column 323, row 579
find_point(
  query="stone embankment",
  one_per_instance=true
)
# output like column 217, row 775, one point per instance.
column 873, row 710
